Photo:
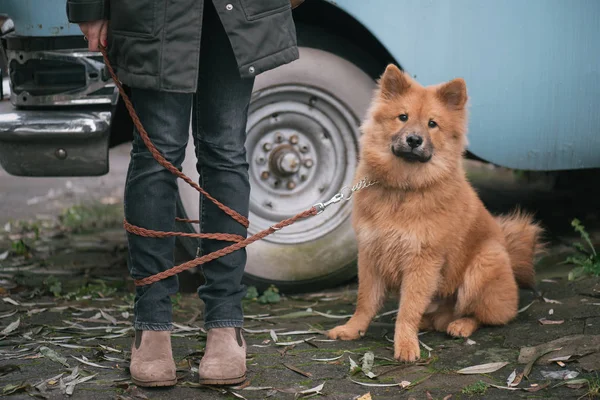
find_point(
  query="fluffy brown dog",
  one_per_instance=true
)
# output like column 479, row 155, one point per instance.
column 422, row 231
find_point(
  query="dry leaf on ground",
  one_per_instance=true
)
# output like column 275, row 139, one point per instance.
column 483, row 368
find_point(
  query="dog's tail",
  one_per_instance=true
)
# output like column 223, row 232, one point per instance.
column 522, row 237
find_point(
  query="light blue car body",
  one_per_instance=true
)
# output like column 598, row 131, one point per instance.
column 532, row 67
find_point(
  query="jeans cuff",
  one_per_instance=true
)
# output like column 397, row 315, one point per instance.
column 150, row 326
column 224, row 323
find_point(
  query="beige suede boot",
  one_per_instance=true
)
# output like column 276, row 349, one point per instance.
column 152, row 361
column 224, row 361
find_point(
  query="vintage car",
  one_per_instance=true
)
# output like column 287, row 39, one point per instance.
column 532, row 69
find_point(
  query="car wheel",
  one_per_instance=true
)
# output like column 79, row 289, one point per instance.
column 303, row 132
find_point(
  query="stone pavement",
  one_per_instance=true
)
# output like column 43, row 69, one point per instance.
column 65, row 331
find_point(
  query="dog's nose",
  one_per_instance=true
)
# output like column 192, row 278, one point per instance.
column 414, row 141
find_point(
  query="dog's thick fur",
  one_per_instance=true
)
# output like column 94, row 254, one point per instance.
column 422, row 231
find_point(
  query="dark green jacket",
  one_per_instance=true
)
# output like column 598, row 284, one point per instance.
column 155, row 44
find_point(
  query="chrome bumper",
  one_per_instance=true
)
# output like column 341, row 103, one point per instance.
column 54, row 142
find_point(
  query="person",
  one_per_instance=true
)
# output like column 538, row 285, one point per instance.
column 182, row 60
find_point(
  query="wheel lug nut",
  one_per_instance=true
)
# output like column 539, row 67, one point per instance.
column 264, row 175
column 294, row 139
column 304, row 148
column 291, row 185
column 308, row 163
column 267, row 146
column 261, row 160
column 278, row 137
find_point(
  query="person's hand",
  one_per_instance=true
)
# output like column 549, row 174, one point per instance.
column 95, row 33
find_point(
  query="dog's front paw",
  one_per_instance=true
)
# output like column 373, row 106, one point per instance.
column 346, row 332
column 407, row 350
column 463, row 327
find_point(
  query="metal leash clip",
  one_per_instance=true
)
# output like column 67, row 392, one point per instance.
column 345, row 194
column 322, row 206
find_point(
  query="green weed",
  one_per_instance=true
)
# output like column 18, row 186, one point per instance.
column 586, row 260
column 269, row 296
column 477, row 388
column 19, row 248
column 90, row 217
column 92, row 290
column 53, row 285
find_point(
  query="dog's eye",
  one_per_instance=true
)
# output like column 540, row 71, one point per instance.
column 403, row 117
column 432, row 124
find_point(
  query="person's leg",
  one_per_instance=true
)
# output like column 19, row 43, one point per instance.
column 219, row 121
column 150, row 198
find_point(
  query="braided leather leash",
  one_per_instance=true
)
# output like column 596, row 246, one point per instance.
column 240, row 242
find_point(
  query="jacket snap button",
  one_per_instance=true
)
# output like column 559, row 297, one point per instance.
column 251, row 70
column 229, row 7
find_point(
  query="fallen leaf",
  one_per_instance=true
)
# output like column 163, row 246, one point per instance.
column 12, row 388
column 483, row 368
column 561, row 358
column 574, row 345
column 545, row 321
column 297, row 370
column 447, row 397
column 551, row 301
column 367, row 364
column 503, row 387
column 534, row 359
column 428, row 395
column 354, row 368
column 315, row 390
column 402, row 384
column 295, row 342
column 91, row 364
column 13, row 326
column 10, row 301
column 575, row 383
column 8, row 314
column 366, row 396
column 273, row 336
column 4, row 255
column 511, row 378
column 526, row 307
column 53, row 355
column 108, row 317
column 327, row 359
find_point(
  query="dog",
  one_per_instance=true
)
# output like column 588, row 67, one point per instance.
column 422, row 231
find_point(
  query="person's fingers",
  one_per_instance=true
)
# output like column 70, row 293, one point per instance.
column 103, row 33
column 93, row 36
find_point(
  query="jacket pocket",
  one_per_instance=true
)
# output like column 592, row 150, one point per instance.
column 133, row 17
column 256, row 9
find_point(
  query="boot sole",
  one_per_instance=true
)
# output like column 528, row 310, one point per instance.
column 230, row 381
column 171, row 382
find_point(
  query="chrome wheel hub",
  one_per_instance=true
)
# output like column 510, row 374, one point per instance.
column 302, row 148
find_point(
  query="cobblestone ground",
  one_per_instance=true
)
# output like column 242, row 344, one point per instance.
column 66, row 312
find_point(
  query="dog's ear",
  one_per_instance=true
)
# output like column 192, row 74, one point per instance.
column 453, row 94
column 393, row 82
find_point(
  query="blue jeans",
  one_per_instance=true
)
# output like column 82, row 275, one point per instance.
column 219, row 113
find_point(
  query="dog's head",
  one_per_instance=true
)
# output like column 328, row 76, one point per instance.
column 414, row 135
